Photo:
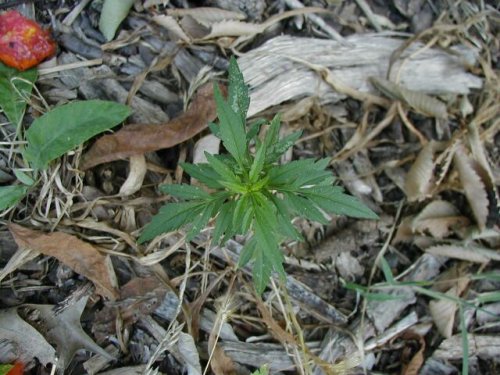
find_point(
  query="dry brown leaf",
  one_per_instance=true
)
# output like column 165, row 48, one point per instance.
column 419, row 179
column 468, row 253
column 413, row 367
column 206, row 16
column 418, row 101
column 135, row 178
column 171, row 24
column 473, row 186
column 221, row 364
column 437, row 219
column 443, row 310
column 80, row 256
column 138, row 139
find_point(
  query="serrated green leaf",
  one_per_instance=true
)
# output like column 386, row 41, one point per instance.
column 214, row 128
column 261, row 271
column 305, row 208
column 223, row 224
column 280, row 147
column 238, row 91
column 254, row 128
column 15, row 90
column 222, row 169
column 330, row 199
column 204, row 173
column 247, row 252
column 258, row 162
column 183, row 191
column 285, row 175
column 284, row 219
column 171, row 217
column 11, row 195
column 68, row 126
column 201, row 220
column 231, row 129
column 112, row 14
column 4, row 369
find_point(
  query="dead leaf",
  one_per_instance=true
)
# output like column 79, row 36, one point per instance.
column 438, row 218
column 65, row 331
column 473, row 186
column 135, row 178
column 419, row 179
column 138, row 139
column 469, row 253
column 80, row 256
column 207, row 16
column 28, row 342
column 413, row 367
column 443, row 310
column 418, row 101
column 221, row 364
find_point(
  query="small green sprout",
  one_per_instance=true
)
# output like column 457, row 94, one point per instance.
column 251, row 192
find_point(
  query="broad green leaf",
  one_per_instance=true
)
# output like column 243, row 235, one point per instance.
column 11, row 195
column 172, row 216
column 112, row 14
column 184, row 191
column 204, row 173
column 23, row 177
column 15, row 90
column 231, row 129
column 69, row 125
column 238, row 90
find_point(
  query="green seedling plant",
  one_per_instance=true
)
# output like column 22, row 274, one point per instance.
column 51, row 135
column 250, row 192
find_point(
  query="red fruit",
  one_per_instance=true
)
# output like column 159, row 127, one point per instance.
column 17, row 369
column 23, row 43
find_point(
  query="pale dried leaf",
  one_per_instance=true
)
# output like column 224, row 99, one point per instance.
column 80, row 256
column 405, row 231
column 418, row 101
column 65, row 331
column 484, row 346
column 135, row 178
column 443, row 313
column 20, row 257
column 437, row 219
column 27, row 341
column 189, row 353
column 207, row 15
column 413, row 367
column 210, row 144
column 221, row 364
column 468, row 253
column 419, row 179
column 473, row 186
column 171, row 24
column 138, row 139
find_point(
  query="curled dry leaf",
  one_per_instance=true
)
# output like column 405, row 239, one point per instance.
column 419, row 180
column 443, row 310
column 473, row 185
column 80, row 256
column 135, row 178
column 137, row 139
column 418, row 101
column 27, row 341
column 65, row 331
column 438, row 219
column 468, row 253
column 414, row 365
